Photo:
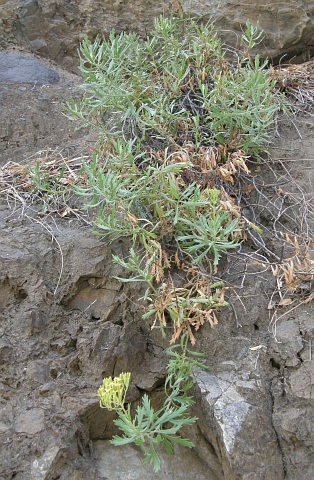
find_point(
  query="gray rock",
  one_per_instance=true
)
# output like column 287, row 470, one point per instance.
column 31, row 421
column 6, row 418
column 38, row 43
column 288, row 343
column 288, row 26
column 240, row 424
column 6, row 351
column 183, row 465
column 294, row 422
column 19, row 69
column 40, row 467
column 302, row 380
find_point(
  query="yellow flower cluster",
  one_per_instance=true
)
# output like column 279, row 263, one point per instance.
column 113, row 391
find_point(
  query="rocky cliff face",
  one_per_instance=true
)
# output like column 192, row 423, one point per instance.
column 54, row 28
column 65, row 322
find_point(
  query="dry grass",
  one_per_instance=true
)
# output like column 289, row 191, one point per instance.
column 297, row 81
column 47, row 179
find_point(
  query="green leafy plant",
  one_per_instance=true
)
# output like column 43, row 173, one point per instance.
column 51, row 179
column 149, row 101
column 175, row 84
column 149, row 428
column 44, row 181
column 175, row 125
column 251, row 36
column 211, row 231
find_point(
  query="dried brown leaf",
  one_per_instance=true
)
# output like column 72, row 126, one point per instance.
column 284, row 302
